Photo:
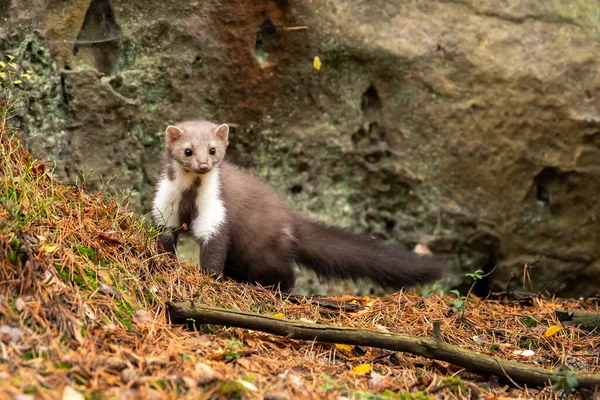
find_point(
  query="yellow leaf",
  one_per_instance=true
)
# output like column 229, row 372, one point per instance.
column 279, row 315
column 49, row 248
column 17, row 82
column 15, row 66
column 317, row 63
column 354, row 301
column 26, row 76
column 344, row 347
column 2, row 64
column 29, row 71
column 552, row 330
column 2, row 75
column 361, row 369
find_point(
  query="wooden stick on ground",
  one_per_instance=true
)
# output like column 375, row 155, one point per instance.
column 434, row 348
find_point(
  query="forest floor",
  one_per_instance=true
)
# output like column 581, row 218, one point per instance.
column 82, row 315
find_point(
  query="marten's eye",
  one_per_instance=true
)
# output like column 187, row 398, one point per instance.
column 212, row 151
column 188, row 152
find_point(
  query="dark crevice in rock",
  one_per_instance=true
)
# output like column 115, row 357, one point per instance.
column 542, row 194
column 541, row 183
column 371, row 104
column 296, row 189
column 371, row 134
column 389, row 226
column 266, row 31
column 63, row 90
column 5, row 7
column 99, row 41
column 374, row 157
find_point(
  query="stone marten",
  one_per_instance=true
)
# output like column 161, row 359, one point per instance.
column 246, row 232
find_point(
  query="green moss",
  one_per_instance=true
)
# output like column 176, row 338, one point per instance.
column 159, row 383
column 456, row 384
column 124, row 312
column 387, row 394
column 30, row 355
column 86, row 252
column 76, row 278
column 233, row 390
column 95, row 395
column 529, row 322
column 63, row 365
column 30, row 389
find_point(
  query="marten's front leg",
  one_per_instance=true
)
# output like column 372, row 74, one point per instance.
column 213, row 253
column 168, row 241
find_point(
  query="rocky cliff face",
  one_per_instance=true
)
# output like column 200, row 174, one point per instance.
column 473, row 125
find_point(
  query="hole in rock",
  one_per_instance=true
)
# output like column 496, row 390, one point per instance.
column 99, row 41
column 263, row 35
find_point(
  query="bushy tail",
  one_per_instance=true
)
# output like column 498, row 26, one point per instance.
column 334, row 253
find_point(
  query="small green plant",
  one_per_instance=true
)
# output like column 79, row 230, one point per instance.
column 459, row 303
column 185, row 357
column 330, row 385
column 563, row 379
column 11, row 79
column 231, row 351
column 529, row 322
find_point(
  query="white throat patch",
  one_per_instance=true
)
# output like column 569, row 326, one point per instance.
column 211, row 210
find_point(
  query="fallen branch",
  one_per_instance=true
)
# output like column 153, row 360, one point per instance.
column 323, row 302
column 429, row 347
column 585, row 320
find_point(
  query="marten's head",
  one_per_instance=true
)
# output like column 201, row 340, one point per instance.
column 197, row 146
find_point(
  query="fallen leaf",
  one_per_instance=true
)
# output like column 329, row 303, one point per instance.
column 71, row 394
column 344, row 347
column 279, row 315
column 524, row 353
column 376, row 379
column 218, row 355
column 10, row 334
column 109, row 236
column 295, row 380
column 204, row 374
column 361, row 369
column 552, row 330
column 247, row 385
column 317, row 63
column 108, row 290
column 143, row 317
column 48, row 248
column 115, row 364
column 480, row 339
column 128, row 375
column 20, row 304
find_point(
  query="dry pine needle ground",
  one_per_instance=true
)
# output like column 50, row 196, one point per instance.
column 82, row 294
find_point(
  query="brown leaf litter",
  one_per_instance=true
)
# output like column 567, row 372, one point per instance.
column 82, row 315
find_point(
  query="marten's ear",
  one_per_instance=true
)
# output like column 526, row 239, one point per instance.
column 172, row 134
column 222, row 132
